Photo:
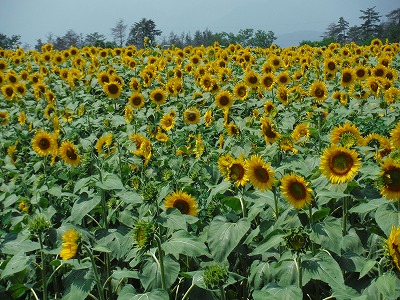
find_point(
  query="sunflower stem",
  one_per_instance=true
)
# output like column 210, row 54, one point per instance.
column 43, row 261
column 96, row 273
column 161, row 259
column 344, row 217
column 299, row 270
column 311, row 223
column 222, row 292
column 276, row 204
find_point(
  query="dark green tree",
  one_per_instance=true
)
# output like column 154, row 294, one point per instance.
column 371, row 22
column 145, row 28
column 11, row 42
column 342, row 27
column 94, row 39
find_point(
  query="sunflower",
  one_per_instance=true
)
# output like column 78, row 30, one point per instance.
column 167, row 122
column 347, row 77
column 269, row 109
column 319, row 91
column 143, row 147
column 104, row 145
column 252, row 79
column 268, row 81
column 296, row 191
column 339, row 164
column 4, row 117
column 224, row 100
column 44, row 143
column 22, row 118
column 224, row 161
column 282, row 94
column 240, row 91
column 347, row 135
column 69, row 154
column 134, row 84
column 393, row 246
column 161, row 136
column 268, row 130
column 361, row 72
column 8, row 91
column 286, row 144
column 191, row 115
column 199, row 146
column 390, row 177
column 21, row 88
column 395, row 136
column 182, row 201
column 301, row 132
column 208, row 118
column 136, row 100
column 391, row 95
column 233, row 130
column 206, row 82
column 373, row 84
column 259, row 173
column 331, row 65
column 283, row 78
column 158, row 96
column 70, row 244
column 236, row 171
column 50, row 111
column 113, row 89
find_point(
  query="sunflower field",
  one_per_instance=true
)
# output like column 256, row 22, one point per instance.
column 200, row 173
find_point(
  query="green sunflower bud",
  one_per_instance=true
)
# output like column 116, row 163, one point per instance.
column 215, row 275
column 143, row 235
column 297, row 240
column 39, row 224
column 149, row 191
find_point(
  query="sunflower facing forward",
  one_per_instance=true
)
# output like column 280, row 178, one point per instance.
column 296, row 191
column 182, row 201
column 260, row 173
column 69, row 154
column 339, row 164
column 44, row 143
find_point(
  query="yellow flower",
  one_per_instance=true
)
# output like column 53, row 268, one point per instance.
column 4, row 116
column 393, row 244
column 319, row 91
column 70, row 244
column 69, row 154
column 395, row 136
column 44, row 143
column 167, row 122
column 260, row 173
column 296, row 191
column 182, row 201
column 191, row 115
column 390, row 176
column 224, row 100
column 113, row 89
column 339, row 164
column 104, row 145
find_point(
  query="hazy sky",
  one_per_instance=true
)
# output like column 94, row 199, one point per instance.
column 34, row 19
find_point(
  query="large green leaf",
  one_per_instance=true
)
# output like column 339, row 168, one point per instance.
column 78, row 283
column 13, row 243
column 110, row 182
column 183, row 242
column 16, row 264
column 224, row 236
column 328, row 234
column 386, row 216
column 272, row 240
column 83, row 206
column 150, row 276
column 157, row 294
column 278, row 293
column 261, row 274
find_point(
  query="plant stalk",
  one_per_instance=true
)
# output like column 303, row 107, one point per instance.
column 96, row 273
column 161, row 258
column 43, row 260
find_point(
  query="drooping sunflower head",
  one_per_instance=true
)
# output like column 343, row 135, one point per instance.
column 260, row 173
column 297, row 240
column 286, row 144
column 339, row 164
column 191, row 115
column 224, row 100
column 104, row 145
column 282, row 94
column 224, row 162
column 268, row 130
column 70, row 245
column 208, row 118
column 393, row 246
column 4, row 117
column 44, row 143
column 296, row 190
column 390, row 179
column 233, row 129
column 182, row 201
column 301, row 132
column 237, row 171
column 69, row 153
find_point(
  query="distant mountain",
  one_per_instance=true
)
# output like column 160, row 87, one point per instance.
column 294, row 38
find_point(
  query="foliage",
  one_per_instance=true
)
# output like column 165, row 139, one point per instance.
column 154, row 173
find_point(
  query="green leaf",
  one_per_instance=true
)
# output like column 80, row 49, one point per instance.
column 83, row 206
column 130, row 197
column 82, row 183
column 157, row 294
column 224, row 236
column 219, row 188
column 110, row 181
column 79, row 284
column 232, row 202
column 369, row 264
column 13, row 243
column 367, row 207
column 150, row 277
column 261, row 274
column 16, row 264
column 389, row 285
column 183, row 242
column 386, row 216
column 328, row 234
column 278, row 293
column 273, row 240
column 320, row 214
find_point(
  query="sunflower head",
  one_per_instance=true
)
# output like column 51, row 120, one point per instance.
column 182, row 201
column 297, row 240
column 39, row 224
column 70, row 246
column 69, row 153
column 393, row 247
column 44, row 143
column 389, row 179
column 143, row 235
column 191, row 115
column 296, row 191
column 215, row 275
column 260, row 173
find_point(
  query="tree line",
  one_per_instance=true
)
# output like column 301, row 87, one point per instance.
column 145, row 32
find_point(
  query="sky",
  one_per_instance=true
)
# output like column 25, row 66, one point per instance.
column 34, row 19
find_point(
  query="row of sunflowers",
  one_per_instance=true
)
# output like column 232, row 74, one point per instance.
column 212, row 172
